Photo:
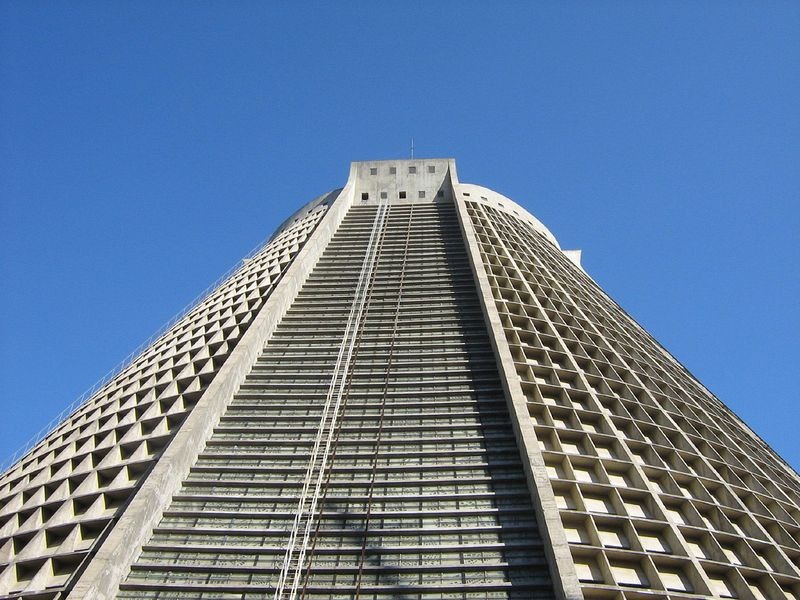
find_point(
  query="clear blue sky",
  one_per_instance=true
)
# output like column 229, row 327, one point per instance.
column 147, row 146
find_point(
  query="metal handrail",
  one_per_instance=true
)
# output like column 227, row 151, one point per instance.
column 304, row 514
column 382, row 415
column 326, row 485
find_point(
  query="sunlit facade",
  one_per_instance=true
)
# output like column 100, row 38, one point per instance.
column 410, row 391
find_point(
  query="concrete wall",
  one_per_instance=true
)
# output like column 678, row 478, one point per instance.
column 112, row 562
column 562, row 569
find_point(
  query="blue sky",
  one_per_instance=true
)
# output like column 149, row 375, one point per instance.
column 145, row 147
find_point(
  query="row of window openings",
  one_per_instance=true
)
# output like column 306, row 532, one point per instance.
column 402, row 195
column 500, row 204
column 393, row 170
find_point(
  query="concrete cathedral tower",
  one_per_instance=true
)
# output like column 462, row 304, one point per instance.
column 409, row 392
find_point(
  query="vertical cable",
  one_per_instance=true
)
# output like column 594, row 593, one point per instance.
column 307, row 502
column 371, row 286
column 379, row 434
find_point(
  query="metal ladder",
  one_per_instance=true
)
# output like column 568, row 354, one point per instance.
column 382, row 413
column 291, row 571
column 326, row 486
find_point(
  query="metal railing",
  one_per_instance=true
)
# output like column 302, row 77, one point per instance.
column 290, row 575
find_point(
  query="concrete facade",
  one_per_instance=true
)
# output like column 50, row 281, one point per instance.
column 410, row 391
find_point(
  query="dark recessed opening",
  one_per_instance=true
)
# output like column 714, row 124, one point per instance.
column 365, row 196
column 412, row 170
column 392, row 170
column 383, row 195
column 149, row 426
column 175, row 420
column 156, row 445
column 26, row 571
column 136, row 470
column 49, row 510
column 23, row 516
column 421, row 193
column 64, row 565
column 115, row 499
column 74, row 482
column 373, row 171
column 128, row 450
column 21, row 541
column 431, row 169
column 55, row 537
column 106, row 476
column 402, row 195
column 81, row 505
column 91, row 531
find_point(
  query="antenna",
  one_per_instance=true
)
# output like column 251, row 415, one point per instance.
column 412, row 147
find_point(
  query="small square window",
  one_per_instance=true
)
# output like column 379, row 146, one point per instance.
column 611, row 537
column 402, row 195
column 412, row 170
column 588, row 571
column 599, row 504
column 577, row 534
column 364, row 196
column 721, row 587
column 466, row 193
column 675, row 580
column 392, row 170
column 629, row 574
column 383, row 195
column 431, row 169
column 654, row 542
column 373, row 170
column 421, row 193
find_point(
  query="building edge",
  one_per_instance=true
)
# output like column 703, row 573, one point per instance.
column 559, row 558
column 112, row 561
column 500, row 202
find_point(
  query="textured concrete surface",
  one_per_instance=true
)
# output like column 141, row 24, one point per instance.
column 111, row 564
column 565, row 580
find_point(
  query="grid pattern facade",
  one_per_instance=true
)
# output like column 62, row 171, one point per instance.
column 65, row 494
column 379, row 441
column 422, row 493
column 662, row 491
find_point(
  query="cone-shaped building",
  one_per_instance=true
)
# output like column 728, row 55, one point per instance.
column 409, row 392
